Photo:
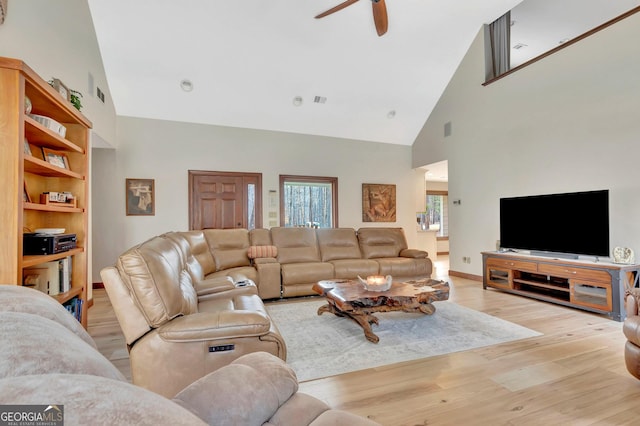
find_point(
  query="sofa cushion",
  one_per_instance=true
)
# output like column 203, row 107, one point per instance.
column 192, row 264
column 296, row 245
column 404, row 267
column 306, row 273
column 15, row 298
column 260, row 237
column 228, row 247
column 272, row 384
column 156, row 278
column 49, row 348
column 351, row 268
column 255, row 252
column 237, row 274
column 338, row 243
column 381, row 242
column 91, row 400
column 200, row 250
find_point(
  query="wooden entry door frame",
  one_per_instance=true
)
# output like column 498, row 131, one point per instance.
column 221, row 199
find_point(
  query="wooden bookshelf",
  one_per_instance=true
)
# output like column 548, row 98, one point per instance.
column 21, row 172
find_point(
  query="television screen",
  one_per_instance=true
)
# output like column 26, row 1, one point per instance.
column 574, row 223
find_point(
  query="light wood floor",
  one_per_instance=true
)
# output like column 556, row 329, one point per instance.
column 574, row 374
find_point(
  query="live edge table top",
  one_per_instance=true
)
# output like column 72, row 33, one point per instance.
column 349, row 298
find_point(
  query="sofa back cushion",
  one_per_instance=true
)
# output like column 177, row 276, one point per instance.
column 35, row 345
column 338, row 243
column 228, row 247
column 381, row 242
column 16, row 298
column 296, row 245
column 193, row 266
column 260, row 237
column 201, row 251
column 157, row 280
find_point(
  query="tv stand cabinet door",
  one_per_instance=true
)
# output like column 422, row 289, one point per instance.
column 591, row 294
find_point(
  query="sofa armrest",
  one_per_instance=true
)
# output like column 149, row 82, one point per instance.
column 269, row 286
column 632, row 301
column 264, row 260
column 225, row 324
column 247, row 391
column 213, row 285
column 631, row 329
column 413, row 253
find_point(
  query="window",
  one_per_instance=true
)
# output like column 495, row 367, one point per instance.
column 437, row 211
column 308, row 201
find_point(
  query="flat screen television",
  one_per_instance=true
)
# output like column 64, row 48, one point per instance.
column 570, row 224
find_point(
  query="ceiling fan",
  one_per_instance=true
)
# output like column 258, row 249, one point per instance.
column 379, row 14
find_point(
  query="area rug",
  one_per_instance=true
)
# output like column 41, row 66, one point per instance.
column 327, row 345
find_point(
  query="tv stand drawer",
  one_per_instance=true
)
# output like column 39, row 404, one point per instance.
column 520, row 265
column 567, row 271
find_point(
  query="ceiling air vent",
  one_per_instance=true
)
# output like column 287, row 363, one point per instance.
column 519, row 46
column 319, row 99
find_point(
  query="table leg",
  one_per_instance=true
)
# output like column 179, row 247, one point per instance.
column 364, row 320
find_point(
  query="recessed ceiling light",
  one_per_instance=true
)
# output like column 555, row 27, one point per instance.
column 391, row 114
column 297, row 101
column 186, row 85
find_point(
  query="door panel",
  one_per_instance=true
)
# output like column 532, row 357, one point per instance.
column 221, row 200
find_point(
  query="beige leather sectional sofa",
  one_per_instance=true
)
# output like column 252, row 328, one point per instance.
column 306, row 256
column 194, row 300
column 46, row 357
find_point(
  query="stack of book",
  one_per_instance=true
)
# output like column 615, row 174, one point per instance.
column 51, row 278
column 74, row 306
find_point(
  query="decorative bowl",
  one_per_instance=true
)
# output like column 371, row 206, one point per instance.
column 376, row 282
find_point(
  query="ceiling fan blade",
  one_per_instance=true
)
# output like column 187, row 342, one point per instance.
column 380, row 16
column 337, row 8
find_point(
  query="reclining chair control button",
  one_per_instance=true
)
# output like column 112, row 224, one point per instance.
column 221, row 348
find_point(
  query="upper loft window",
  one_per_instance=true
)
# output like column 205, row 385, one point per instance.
column 537, row 28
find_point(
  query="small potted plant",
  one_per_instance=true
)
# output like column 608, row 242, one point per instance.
column 74, row 98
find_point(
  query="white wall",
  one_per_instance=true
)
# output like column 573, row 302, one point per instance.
column 57, row 40
column 165, row 151
column 569, row 122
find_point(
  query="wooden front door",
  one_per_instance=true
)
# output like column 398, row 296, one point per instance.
column 223, row 200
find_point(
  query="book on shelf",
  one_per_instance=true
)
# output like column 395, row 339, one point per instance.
column 74, row 307
column 51, row 278
column 65, row 274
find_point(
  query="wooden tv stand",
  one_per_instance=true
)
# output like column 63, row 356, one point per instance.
column 592, row 286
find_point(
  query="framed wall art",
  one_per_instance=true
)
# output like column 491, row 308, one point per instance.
column 25, row 194
column 56, row 158
column 3, row 10
column 141, row 197
column 378, row 202
column 61, row 88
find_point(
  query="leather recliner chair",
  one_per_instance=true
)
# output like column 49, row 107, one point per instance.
column 178, row 329
column 631, row 330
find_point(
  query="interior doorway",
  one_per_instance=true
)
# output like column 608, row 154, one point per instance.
column 436, row 212
column 223, row 200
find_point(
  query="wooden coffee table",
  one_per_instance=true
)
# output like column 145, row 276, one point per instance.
column 348, row 298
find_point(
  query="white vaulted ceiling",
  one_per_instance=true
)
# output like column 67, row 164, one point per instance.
column 249, row 59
